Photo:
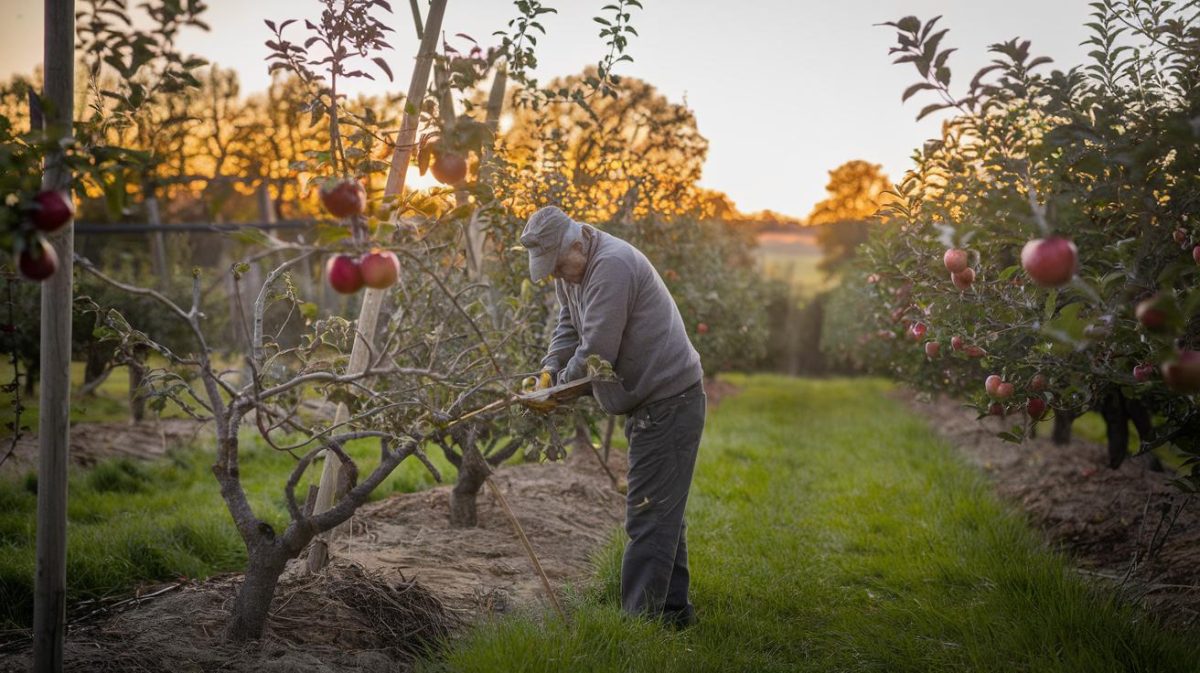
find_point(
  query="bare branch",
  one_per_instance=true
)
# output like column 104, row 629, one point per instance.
column 260, row 303
column 345, row 507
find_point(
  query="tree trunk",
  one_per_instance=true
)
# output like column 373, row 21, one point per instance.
column 1062, row 427
column 98, row 355
column 137, row 375
column 471, row 476
column 1116, row 426
column 253, row 602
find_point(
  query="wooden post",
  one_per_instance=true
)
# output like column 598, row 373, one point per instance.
column 266, row 208
column 158, row 244
column 50, row 584
column 368, row 315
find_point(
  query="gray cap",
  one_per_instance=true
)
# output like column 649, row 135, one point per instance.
column 548, row 233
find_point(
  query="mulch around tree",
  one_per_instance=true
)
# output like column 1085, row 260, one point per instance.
column 401, row 580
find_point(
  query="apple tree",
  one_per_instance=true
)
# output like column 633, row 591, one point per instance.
column 1049, row 237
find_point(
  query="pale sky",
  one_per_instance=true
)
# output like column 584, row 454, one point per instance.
column 783, row 90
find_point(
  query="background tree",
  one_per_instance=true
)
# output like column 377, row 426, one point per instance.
column 856, row 191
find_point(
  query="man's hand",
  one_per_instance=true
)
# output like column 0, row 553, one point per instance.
column 574, row 370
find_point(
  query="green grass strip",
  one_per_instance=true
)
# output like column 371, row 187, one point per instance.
column 830, row 530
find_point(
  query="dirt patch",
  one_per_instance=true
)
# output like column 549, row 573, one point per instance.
column 1128, row 527
column 568, row 510
column 94, row 442
column 345, row 619
column 348, row 620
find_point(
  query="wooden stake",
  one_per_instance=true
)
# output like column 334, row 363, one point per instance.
column 368, row 315
column 537, row 565
column 50, row 584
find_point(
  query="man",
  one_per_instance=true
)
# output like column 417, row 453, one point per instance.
column 615, row 306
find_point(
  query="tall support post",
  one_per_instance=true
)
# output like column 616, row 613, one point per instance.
column 368, row 315
column 50, row 583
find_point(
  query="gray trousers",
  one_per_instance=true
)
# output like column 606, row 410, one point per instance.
column 664, row 437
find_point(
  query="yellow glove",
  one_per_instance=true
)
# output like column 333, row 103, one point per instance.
column 544, row 380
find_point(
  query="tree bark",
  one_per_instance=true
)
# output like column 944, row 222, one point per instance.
column 1116, row 423
column 137, row 375
column 253, row 602
column 471, row 475
column 98, row 355
column 1061, row 434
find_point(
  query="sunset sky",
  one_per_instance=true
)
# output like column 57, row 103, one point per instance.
column 783, row 90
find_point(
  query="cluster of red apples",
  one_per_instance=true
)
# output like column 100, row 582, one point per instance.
column 48, row 212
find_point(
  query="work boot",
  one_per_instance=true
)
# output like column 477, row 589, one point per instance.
column 680, row 618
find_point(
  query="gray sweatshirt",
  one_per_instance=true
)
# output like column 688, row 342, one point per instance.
column 623, row 312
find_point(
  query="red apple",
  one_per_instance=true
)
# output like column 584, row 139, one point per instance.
column 1181, row 236
column 1143, row 372
column 1038, row 383
column 963, row 279
column 1152, row 313
column 932, row 349
column 992, row 383
column 957, row 343
column 955, row 260
column 873, row 278
column 52, row 210
column 702, row 328
column 343, row 198
column 974, row 352
column 38, row 260
column 1050, row 262
column 996, row 409
column 1196, row 254
column 917, row 331
column 380, row 268
column 1182, row 374
column 449, row 168
column 1004, row 391
column 1036, row 408
column 344, row 274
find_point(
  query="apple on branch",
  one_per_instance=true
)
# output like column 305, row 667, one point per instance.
column 1050, row 262
column 343, row 198
column 37, row 260
column 449, row 168
column 380, row 268
column 52, row 209
column 955, row 260
column 344, row 274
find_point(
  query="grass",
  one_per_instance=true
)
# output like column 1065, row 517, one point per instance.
column 793, row 261
column 110, row 402
column 832, row 531
column 132, row 522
